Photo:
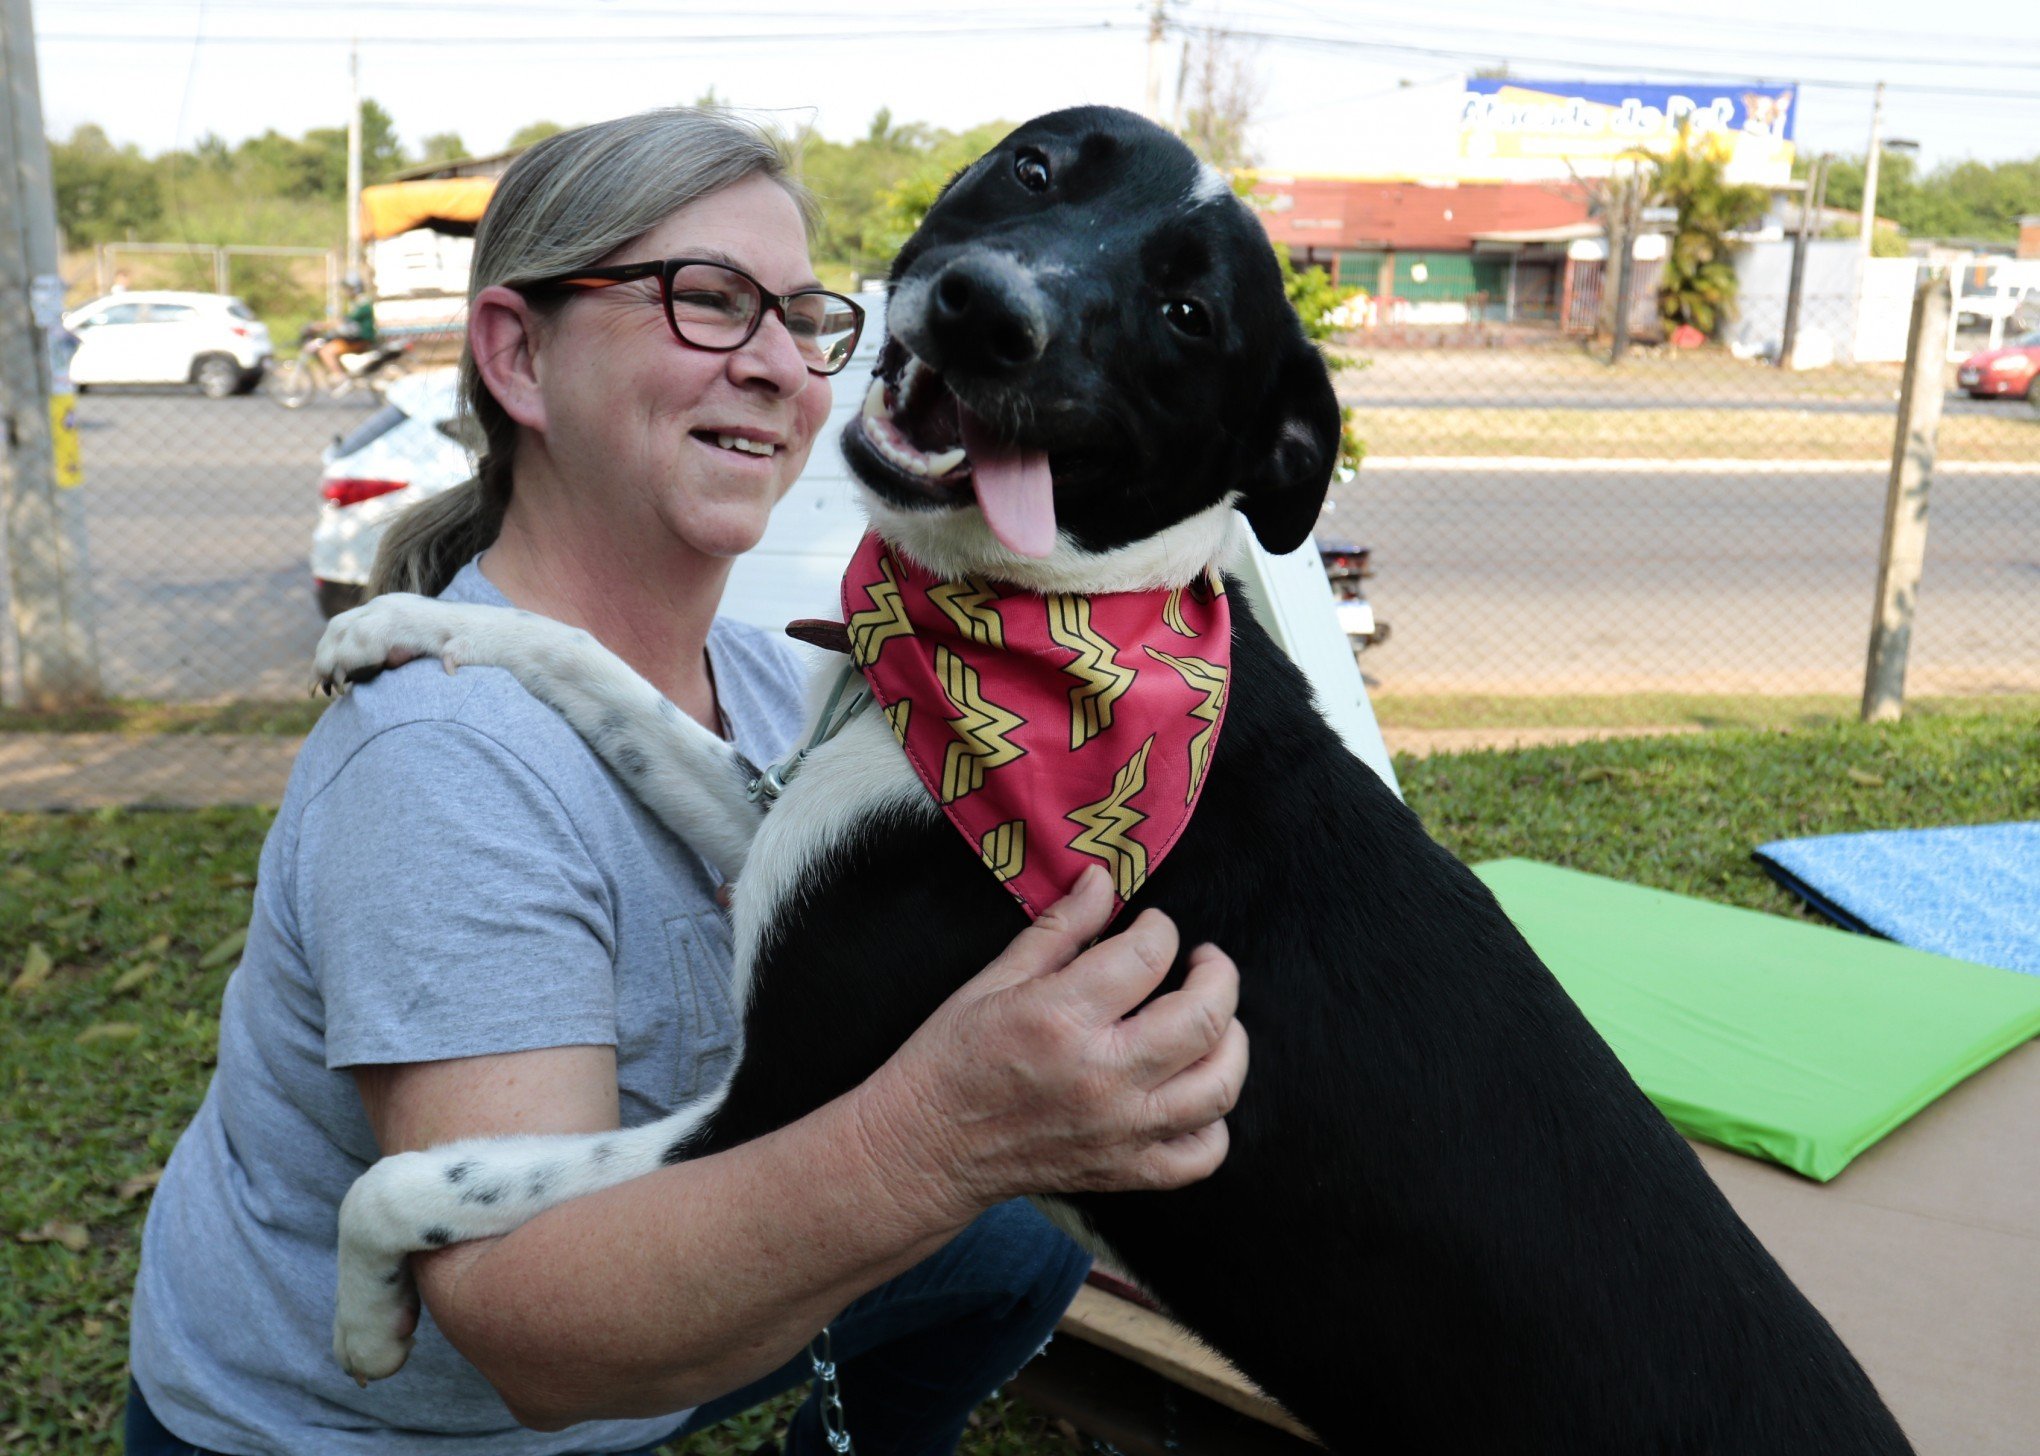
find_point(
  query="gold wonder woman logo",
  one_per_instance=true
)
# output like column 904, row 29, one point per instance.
column 1101, row 681
column 1109, row 825
column 965, row 603
column 1004, row 849
column 886, row 619
column 1208, row 678
column 980, row 725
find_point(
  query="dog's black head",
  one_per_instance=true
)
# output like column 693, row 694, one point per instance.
column 1088, row 335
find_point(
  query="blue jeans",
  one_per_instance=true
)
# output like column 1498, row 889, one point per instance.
column 915, row 1356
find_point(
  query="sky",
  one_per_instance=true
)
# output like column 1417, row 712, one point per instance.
column 1342, row 84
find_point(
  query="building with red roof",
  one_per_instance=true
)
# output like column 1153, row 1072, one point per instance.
column 1497, row 250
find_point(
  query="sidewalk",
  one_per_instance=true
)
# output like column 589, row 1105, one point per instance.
column 79, row 771
column 73, row 771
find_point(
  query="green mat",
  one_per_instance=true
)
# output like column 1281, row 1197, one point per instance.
column 1789, row 1041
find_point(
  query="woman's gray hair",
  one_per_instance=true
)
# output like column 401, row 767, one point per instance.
column 567, row 203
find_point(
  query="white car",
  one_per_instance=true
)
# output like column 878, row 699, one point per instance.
column 161, row 337
column 403, row 453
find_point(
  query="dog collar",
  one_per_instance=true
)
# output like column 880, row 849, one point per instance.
column 1054, row 730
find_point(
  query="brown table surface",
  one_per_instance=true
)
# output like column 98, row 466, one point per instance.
column 1924, row 1254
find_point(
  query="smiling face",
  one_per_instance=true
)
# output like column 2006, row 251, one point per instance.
column 652, row 436
column 1090, row 343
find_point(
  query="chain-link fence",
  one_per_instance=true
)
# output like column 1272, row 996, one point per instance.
column 1542, row 521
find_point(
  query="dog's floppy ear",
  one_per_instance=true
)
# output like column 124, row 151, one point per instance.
column 1286, row 478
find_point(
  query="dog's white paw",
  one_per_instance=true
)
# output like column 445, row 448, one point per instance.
column 385, row 631
column 375, row 1311
column 374, row 1325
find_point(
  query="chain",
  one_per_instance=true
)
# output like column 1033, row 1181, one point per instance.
column 830, row 1393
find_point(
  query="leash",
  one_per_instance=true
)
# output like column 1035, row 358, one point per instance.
column 770, row 784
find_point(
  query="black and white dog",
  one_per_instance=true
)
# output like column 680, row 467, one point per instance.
column 1449, row 1220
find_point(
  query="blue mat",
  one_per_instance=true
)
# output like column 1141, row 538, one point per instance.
column 1971, row 893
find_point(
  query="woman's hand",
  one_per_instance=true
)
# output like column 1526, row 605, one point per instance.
column 1034, row 1077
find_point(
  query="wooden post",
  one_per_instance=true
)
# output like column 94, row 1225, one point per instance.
column 51, row 599
column 1905, row 502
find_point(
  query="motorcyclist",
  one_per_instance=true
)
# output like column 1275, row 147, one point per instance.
column 353, row 332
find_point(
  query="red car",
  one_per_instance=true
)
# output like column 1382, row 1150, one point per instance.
column 2014, row 369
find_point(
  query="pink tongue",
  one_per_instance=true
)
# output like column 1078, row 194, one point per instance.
column 1013, row 489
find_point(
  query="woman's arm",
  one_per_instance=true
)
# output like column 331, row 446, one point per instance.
column 692, row 1281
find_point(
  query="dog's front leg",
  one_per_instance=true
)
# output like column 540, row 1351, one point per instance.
column 689, row 777
column 411, row 1202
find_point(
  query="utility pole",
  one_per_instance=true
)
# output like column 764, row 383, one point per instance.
column 50, row 597
column 353, row 161
column 1154, row 63
column 1870, row 162
column 1811, row 202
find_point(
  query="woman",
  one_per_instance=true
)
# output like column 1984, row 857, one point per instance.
column 464, row 926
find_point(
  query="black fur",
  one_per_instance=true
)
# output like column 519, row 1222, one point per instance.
column 1449, row 1221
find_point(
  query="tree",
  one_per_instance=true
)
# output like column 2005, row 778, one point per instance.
column 103, row 192
column 1698, row 285
column 532, row 133
column 1222, row 93
column 443, row 146
column 1978, row 200
column 874, row 191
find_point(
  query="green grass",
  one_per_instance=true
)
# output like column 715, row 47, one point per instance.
column 101, row 1065
column 1683, row 814
column 134, row 914
column 1670, row 710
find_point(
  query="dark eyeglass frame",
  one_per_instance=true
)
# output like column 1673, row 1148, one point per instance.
column 666, row 269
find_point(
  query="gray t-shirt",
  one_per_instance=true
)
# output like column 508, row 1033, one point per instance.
column 452, row 873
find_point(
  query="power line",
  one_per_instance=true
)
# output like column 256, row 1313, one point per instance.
column 1626, row 70
column 1911, row 43
column 635, row 41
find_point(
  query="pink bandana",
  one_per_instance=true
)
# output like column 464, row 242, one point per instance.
column 1055, row 731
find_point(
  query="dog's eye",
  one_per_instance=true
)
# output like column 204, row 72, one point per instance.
column 1031, row 167
column 1187, row 317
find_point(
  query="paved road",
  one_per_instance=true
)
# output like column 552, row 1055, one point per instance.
column 1496, row 580
column 200, row 514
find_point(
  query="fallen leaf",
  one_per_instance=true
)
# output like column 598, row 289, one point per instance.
column 225, row 951
column 134, row 976
column 35, row 969
column 92, row 1328
column 157, row 945
column 1612, row 773
column 73, row 1236
column 1867, row 780
column 108, row 1031
column 141, row 1183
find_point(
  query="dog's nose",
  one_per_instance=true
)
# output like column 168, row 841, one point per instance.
column 986, row 315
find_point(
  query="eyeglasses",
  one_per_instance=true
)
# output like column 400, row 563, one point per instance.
column 716, row 307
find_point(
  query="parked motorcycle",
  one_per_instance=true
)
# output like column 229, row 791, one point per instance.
column 297, row 380
column 1347, row 565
